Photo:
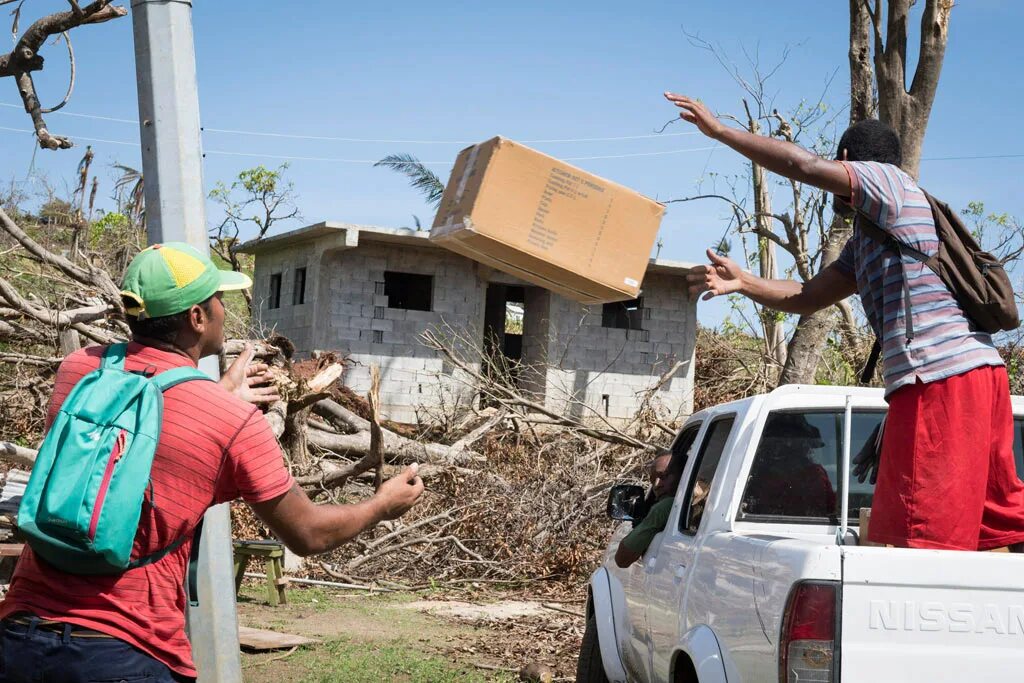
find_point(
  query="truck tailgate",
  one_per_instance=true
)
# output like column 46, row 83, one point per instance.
column 931, row 615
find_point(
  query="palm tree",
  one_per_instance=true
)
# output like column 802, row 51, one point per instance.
column 130, row 189
column 420, row 177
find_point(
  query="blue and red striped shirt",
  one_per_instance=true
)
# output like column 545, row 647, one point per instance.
column 945, row 342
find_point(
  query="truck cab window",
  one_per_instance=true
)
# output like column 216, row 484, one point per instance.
column 682, row 446
column 699, row 487
column 795, row 473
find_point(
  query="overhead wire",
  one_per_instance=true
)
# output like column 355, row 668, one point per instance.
column 328, row 138
column 288, row 157
column 332, row 138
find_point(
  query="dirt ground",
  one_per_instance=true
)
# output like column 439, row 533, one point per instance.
column 415, row 638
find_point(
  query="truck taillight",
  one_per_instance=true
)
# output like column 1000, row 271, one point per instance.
column 807, row 648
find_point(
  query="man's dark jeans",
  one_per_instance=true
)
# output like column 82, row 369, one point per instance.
column 37, row 655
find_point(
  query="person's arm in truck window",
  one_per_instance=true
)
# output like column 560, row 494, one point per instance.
column 633, row 546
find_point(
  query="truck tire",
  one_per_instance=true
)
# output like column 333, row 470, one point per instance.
column 589, row 668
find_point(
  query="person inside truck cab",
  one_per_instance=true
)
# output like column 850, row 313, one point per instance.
column 785, row 480
column 634, row 545
column 657, row 472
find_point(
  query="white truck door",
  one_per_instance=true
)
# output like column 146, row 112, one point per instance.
column 634, row 643
column 669, row 571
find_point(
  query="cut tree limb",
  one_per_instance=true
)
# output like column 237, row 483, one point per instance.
column 332, row 410
column 19, row 455
column 376, row 436
column 471, row 438
column 26, row 359
column 326, row 378
column 396, row 448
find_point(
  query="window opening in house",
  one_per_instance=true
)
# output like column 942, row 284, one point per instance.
column 515, row 308
column 299, row 290
column 624, row 315
column 410, row 291
column 274, row 300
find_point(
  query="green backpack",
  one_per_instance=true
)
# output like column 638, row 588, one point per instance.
column 81, row 508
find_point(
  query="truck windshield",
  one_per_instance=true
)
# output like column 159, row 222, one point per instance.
column 795, row 474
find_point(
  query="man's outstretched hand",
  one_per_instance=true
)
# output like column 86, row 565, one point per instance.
column 399, row 493
column 722, row 276
column 696, row 113
column 250, row 381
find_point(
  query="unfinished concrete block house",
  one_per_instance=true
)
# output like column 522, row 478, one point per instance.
column 369, row 293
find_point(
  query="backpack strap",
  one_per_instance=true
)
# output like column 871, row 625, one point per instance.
column 868, row 373
column 887, row 240
column 114, row 356
column 193, row 564
column 164, row 381
column 175, row 376
column 193, row 560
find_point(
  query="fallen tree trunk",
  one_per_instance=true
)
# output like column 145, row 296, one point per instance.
column 396, row 448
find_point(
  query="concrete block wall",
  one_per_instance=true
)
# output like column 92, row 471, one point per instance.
column 565, row 348
column 294, row 321
column 360, row 325
column 609, row 369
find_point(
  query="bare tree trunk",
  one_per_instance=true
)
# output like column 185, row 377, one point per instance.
column 774, row 334
column 908, row 111
column 862, row 84
column 812, row 330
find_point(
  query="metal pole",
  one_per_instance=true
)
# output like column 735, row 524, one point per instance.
column 172, row 167
column 844, row 475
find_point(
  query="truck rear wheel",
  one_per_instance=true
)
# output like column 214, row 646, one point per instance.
column 589, row 668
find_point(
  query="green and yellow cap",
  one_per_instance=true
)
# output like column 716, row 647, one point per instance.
column 172, row 277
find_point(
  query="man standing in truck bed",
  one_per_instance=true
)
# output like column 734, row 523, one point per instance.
column 947, row 477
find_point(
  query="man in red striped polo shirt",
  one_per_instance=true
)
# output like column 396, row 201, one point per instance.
column 947, row 477
column 215, row 446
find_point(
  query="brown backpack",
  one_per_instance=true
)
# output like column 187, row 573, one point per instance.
column 976, row 279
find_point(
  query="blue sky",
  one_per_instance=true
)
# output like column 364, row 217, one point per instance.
column 527, row 70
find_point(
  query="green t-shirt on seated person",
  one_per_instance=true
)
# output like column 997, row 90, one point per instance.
column 653, row 524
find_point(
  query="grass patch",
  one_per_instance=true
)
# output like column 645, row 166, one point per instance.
column 255, row 592
column 345, row 661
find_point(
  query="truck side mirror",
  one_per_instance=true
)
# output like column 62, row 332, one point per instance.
column 622, row 500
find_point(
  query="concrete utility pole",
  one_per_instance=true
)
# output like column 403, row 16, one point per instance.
column 172, row 166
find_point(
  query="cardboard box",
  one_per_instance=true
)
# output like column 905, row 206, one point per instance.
column 547, row 222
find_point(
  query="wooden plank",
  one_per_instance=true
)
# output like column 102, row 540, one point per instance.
column 11, row 549
column 258, row 640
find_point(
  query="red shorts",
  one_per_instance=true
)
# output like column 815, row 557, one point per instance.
column 947, row 477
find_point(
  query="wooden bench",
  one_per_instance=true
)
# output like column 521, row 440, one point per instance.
column 273, row 554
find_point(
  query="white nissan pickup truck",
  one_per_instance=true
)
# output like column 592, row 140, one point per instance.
column 760, row 576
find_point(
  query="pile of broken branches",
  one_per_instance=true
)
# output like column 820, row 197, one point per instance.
column 515, row 491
